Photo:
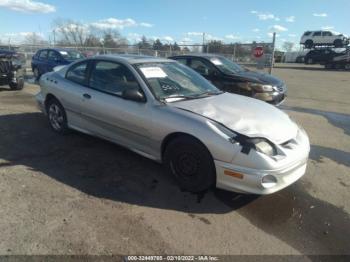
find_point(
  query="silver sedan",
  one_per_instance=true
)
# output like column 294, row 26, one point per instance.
column 167, row 112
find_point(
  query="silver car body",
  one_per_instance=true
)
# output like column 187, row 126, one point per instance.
column 146, row 127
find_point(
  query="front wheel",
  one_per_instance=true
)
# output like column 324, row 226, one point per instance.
column 191, row 164
column 18, row 85
column 309, row 44
column 57, row 116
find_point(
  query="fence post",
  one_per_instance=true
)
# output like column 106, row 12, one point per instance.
column 273, row 52
column 234, row 52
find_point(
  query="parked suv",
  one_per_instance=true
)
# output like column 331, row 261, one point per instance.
column 45, row 60
column 317, row 38
column 231, row 77
column 11, row 70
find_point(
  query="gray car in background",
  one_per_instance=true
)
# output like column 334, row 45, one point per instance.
column 167, row 112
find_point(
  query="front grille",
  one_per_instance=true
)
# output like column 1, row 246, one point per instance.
column 5, row 67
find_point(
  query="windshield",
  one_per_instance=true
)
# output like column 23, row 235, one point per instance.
column 225, row 65
column 71, row 55
column 172, row 81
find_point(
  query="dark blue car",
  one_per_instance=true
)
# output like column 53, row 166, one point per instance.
column 45, row 60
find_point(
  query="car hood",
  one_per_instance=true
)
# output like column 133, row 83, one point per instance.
column 244, row 115
column 263, row 78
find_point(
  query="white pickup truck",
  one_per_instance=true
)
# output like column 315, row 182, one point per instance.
column 319, row 38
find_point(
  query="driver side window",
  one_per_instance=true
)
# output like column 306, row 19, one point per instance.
column 111, row 77
column 203, row 68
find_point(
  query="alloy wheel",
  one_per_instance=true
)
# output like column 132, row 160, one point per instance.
column 56, row 117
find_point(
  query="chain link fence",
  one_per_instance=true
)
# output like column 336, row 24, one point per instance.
column 240, row 53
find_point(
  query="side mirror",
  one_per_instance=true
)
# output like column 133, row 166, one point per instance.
column 133, row 94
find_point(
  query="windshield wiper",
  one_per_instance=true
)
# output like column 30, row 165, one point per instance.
column 178, row 96
column 210, row 93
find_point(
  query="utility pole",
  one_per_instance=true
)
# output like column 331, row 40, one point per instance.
column 54, row 37
column 234, row 52
column 203, row 51
column 273, row 52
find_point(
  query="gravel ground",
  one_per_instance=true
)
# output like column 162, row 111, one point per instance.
column 77, row 194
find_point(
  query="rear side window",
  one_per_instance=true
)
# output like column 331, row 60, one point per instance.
column 112, row 78
column 317, row 33
column 77, row 73
column 43, row 55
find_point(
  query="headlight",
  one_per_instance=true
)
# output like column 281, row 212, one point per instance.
column 259, row 144
column 261, row 87
column 263, row 146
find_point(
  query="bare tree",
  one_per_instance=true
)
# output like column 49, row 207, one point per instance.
column 34, row 39
column 70, row 32
column 288, row 46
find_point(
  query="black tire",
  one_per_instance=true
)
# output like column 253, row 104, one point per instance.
column 36, row 73
column 338, row 43
column 17, row 86
column 56, row 116
column 191, row 164
column 309, row 44
column 347, row 67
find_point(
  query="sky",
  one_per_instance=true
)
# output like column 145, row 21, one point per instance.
column 183, row 21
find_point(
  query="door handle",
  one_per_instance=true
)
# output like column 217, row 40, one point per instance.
column 87, row 96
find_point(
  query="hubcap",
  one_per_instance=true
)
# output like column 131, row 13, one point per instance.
column 56, row 117
column 185, row 165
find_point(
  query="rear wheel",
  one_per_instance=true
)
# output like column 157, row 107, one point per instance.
column 309, row 44
column 57, row 116
column 191, row 163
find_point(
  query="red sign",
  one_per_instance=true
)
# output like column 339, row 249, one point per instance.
column 258, row 51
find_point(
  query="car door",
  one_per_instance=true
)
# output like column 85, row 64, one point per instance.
column 327, row 37
column 317, row 37
column 42, row 60
column 71, row 93
column 108, row 115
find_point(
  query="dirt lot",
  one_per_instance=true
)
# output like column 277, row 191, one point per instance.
column 77, row 194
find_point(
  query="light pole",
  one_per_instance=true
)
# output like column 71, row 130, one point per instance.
column 169, row 46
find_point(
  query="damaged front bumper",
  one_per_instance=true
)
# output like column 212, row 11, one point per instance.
column 255, row 181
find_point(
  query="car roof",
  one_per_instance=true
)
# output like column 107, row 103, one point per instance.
column 203, row 55
column 58, row 49
column 132, row 59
